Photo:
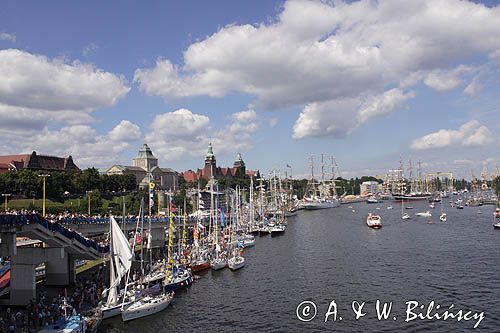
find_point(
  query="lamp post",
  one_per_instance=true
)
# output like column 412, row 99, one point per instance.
column 6, row 195
column 88, row 208
column 44, row 176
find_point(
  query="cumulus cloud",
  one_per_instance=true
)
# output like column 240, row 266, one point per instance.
column 443, row 80
column 328, row 53
column 340, row 117
column 8, row 37
column 182, row 133
column 469, row 134
column 383, row 104
column 40, row 83
column 473, row 88
column 48, row 102
column 87, row 147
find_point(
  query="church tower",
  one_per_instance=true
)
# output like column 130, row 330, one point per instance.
column 145, row 158
column 239, row 167
column 210, row 168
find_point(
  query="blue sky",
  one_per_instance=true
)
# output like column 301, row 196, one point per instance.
column 274, row 80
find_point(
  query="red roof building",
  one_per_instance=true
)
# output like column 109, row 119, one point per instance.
column 237, row 171
column 36, row 162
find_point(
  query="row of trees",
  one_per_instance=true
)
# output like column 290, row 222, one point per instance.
column 61, row 184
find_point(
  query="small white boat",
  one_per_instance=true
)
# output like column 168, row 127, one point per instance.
column 374, row 221
column 405, row 216
column 432, row 205
column 248, row 241
column 276, row 229
column 147, row 306
column 424, row 214
column 443, row 217
column 236, row 263
column 218, row 264
column 389, row 208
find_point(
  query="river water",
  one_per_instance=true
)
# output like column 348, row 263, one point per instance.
column 330, row 255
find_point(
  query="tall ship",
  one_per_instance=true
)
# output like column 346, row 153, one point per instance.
column 321, row 194
column 411, row 189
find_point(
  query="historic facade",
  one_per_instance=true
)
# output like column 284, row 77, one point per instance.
column 238, row 170
column 164, row 178
column 34, row 161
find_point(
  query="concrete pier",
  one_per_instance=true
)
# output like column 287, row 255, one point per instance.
column 8, row 244
column 22, row 278
column 60, row 272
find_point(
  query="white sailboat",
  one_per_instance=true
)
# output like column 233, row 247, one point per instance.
column 147, row 306
column 424, row 214
column 443, row 216
column 236, row 261
column 153, row 300
column 121, row 260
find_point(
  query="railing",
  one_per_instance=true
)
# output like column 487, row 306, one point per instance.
column 19, row 220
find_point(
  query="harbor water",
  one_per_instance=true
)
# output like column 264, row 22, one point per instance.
column 331, row 254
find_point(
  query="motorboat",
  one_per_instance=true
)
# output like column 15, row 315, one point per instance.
column 374, row 221
column 443, row 217
column 405, row 216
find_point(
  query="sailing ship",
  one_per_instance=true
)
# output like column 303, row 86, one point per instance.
column 176, row 276
column 443, row 217
column 236, row 260
column 146, row 306
column 320, row 194
column 121, row 256
column 152, row 299
column 416, row 186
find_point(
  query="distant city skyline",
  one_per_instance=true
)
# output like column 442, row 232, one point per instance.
column 277, row 81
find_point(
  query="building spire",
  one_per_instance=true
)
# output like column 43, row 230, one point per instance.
column 210, row 152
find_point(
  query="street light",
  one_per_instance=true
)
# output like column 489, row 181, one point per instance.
column 6, row 195
column 44, row 175
column 88, row 195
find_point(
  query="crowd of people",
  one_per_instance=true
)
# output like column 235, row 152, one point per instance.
column 47, row 310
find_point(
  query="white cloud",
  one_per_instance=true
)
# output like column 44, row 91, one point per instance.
column 87, row 147
column 443, row 80
column 469, row 134
column 339, row 118
column 180, row 123
column 182, row 133
column 473, row 88
column 90, row 49
column 36, row 82
column 333, row 118
column 383, row 104
column 10, row 37
column 125, row 131
column 48, row 103
column 328, row 53
column 273, row 122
